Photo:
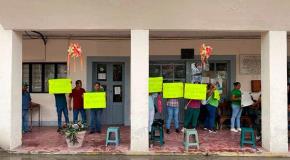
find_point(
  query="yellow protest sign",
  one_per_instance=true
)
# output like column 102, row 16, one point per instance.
column 172, row 90
column 195, row 91
column 217, row 95
column 155, row 84
column 95, row 100
column 58, row 86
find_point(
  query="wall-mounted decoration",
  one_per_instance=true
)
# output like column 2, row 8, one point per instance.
column 250, row 64
column 74, row 51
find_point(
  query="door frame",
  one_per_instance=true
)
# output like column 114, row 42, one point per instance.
column 104, row 59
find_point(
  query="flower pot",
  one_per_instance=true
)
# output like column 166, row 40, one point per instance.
column 81, row 137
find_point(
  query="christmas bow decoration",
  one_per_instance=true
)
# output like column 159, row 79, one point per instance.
column 205, row 53
column 74, row 51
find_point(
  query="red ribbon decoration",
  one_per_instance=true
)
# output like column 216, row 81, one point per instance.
column 74, row 51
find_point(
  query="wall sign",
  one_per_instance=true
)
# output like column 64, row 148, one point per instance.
column 250, row 64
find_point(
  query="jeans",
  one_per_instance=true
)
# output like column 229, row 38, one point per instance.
column 172, row 112
column 191, row 115
column 151, row 117
column 210, row 118
column 60, row 110
column 236, row 116
column 76, row 115
column 25, row 119
column 95, row 124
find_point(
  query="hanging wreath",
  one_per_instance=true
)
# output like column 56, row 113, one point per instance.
column 74, row 51
column 205, row 53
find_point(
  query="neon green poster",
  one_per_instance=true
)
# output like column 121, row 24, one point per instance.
column 195, row 91
column 172, row 90
column 58, row 86
column 155, row 84
column 95, row 100
column 217, row 95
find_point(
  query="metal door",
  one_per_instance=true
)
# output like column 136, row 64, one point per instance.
column 111, row 77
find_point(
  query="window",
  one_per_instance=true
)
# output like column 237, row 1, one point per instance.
column 171, row 72
column 38, row 74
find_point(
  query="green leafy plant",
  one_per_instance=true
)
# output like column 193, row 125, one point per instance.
column 71, row 131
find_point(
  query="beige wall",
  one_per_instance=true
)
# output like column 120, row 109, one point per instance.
column 257, row 15
column 33, row 50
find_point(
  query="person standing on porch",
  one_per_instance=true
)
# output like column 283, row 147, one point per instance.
column 61, row 107
column 192, row 111
column 211, row 106
column 26, row 101
column 96, row 113
column 172, row 112
column 236, row 108
column 78, row 107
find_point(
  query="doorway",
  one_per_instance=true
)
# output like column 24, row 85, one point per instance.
column 111, row 76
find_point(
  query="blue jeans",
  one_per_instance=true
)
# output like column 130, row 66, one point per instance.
column 76, row 115
column 172, row 112
column 25, row 119
column 60, row 110
column 236, row 116
column 210, row 118
column 95, row 124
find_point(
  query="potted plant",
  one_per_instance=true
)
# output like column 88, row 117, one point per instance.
column 74, row 134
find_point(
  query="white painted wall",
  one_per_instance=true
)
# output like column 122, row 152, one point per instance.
column 10, row 96
column 33, row 50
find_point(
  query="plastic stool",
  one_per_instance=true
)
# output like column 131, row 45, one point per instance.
column 187, row 143
column 116, row 131
column 251, row 141
column 157, row 126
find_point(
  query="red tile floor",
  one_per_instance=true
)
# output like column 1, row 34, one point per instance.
column 47, row 140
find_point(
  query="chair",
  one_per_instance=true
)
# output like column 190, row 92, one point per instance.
column 157, row 126
column 252, row 139
column 116, row 132
column 186, row 141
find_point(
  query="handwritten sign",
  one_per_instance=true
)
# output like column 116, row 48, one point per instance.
column 195, row 91
column 95, row 100
column 57, row 86
column 155, row 84
column 172, row 90
column 217, row 95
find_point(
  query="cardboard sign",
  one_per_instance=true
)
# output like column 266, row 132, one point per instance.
column 172, row 90
column 58, row 86
column 95, row 100
column 195, row 91
column 155, row 84
column 217, row 95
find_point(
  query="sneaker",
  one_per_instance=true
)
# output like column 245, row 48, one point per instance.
column 205, row 129
column 58, row 130
column 212, row 131
column 234, row 130
column 183, row 130
column 177, row 130
column 167, row 131
column 239, row 129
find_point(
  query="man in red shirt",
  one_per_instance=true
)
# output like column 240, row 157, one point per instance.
column 77, row 96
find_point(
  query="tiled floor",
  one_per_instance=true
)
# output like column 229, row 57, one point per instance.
column 47, row 140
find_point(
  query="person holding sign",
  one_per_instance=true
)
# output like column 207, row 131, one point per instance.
column 61, row 107
column 211, row 106
column 172, row 112
column 236, row 108
column 96, row 113
column 77, row 96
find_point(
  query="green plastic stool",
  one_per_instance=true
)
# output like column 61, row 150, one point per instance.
column 251, row 141
column 187, row 143
column 157, row 138
column 116, row 131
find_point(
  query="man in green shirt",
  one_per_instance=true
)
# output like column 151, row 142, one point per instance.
column 236, row 107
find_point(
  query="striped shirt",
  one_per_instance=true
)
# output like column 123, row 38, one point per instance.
column 172, row 102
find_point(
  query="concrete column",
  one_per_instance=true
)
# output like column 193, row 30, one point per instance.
column 139, row 90
column 274, row 91
column 10, row 95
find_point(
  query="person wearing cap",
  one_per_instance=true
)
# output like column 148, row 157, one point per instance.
column 26, row 101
